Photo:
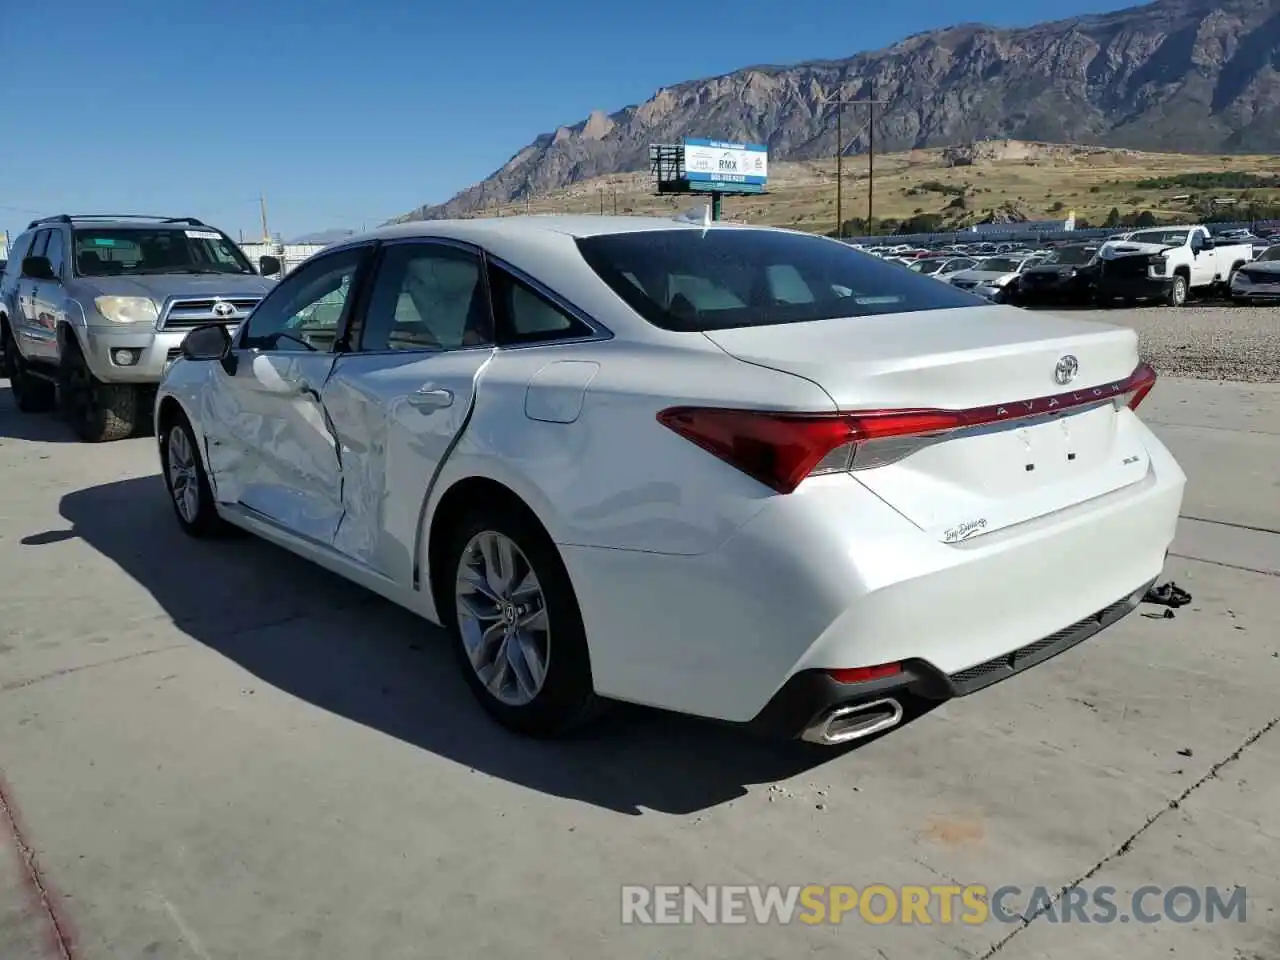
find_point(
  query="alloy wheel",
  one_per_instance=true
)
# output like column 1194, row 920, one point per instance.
column 502, row 617
column 184, row 481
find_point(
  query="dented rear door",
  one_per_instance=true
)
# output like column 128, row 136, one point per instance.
column 397, row 416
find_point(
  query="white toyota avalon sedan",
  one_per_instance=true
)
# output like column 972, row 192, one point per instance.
column 743, row 473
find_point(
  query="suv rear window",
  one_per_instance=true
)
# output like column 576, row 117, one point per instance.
column 695, row 280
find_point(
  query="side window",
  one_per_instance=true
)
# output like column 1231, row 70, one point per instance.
column 54, row 251
column 40, row 244
column 16, row 254
column 305, row 311
column 427, row 296
column 786, row 285
column 526, row 316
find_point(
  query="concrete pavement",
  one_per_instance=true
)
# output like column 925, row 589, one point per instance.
column 217, row 751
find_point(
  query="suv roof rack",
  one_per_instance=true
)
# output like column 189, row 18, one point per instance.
column 72, row 218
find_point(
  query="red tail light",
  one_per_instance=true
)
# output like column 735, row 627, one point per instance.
column 782, row 449
column 1139, row 385
column 865, row 674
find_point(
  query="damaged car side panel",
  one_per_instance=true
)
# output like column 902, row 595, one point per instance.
column 398, row 416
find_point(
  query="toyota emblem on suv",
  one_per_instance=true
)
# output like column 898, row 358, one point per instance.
column 1066, row 369
column 222, row 310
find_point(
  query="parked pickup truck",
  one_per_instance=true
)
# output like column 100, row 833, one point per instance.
column 1167, row 263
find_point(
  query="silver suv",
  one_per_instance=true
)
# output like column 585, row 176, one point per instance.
column 94, row 308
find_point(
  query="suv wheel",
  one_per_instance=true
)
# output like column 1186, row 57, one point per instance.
column 515, row 622
column 99, row 412
column 31, row 394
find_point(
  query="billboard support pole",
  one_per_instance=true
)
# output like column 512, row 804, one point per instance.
column 716, row 198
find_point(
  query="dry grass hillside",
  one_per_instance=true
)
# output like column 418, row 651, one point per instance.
column 1017, row 180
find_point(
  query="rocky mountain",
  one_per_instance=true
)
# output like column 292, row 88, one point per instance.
column 1174, row 75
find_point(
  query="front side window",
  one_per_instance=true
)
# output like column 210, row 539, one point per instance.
column 17, row 253
column 304, row 313
column 136, row 251
column 427, row 296
column 694, row 280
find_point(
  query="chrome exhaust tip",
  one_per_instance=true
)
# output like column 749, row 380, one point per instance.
column 845, row 724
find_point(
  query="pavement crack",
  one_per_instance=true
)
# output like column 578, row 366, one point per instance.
column 1223, row 563
column 59, row 934
column 54, row 674
column 1231, row 523
column 1127, row 845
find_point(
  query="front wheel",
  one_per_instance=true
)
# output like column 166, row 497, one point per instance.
column 516, row 625
column 1177, row 292
column 184, row 476
column 99, row 412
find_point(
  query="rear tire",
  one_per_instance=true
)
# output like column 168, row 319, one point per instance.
column 190, row 493
column 507, row 600
column 31, row 394
column 98, row 412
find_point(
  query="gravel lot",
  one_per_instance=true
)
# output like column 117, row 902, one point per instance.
column 1206, row 341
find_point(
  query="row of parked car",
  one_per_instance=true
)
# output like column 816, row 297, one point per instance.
column 1166, row 264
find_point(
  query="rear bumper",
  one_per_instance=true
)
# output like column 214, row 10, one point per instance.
column 1137, row 287
column 832, row 577
column 1053, row 292
column 812, row 694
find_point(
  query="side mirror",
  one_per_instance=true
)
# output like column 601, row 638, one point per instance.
column 209, row 342
column 269, row 266
column 37, row 268
column 1208, row 243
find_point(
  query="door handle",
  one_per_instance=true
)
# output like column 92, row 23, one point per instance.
column 430, row 398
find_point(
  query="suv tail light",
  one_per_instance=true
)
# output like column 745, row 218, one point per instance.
column 781, row 449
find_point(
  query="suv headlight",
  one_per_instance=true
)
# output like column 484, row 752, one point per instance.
column 127, row 309
column 1240, row 279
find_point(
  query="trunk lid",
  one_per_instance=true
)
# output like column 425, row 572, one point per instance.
column 978, row 480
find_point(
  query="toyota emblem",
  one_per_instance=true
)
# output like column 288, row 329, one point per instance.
column 223, row 310
column 1066, row 369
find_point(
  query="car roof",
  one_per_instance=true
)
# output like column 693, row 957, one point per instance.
column 544, row 247
column 579, row 226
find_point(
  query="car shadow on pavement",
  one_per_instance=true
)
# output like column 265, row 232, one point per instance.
column 335, row 645
column 41, row 427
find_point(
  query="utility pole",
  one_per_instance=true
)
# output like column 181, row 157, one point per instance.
column 841, row 146
column 615, row 200
column 602, row 201
column 262, row 209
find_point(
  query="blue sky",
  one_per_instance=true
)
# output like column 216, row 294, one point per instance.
column 346, row 113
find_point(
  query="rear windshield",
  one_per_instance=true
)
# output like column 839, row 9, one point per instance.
column 694, row 280
column 1172, row 238
column 1271, row 253
column 1072, row 255
column 999, row 265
